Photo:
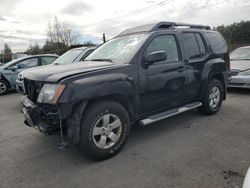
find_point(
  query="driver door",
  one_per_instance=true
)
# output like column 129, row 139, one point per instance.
column 163, row 84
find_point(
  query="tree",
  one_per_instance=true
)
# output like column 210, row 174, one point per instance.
column 7, row 49
column 61, row 34
column 34, row 49
column 6, row 53
column 236, row 33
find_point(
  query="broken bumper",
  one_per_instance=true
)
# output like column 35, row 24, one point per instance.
column 35, row 117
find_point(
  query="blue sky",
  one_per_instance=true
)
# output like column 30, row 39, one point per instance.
column 25, row 21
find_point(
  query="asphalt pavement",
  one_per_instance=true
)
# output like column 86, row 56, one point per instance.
column 188, row 150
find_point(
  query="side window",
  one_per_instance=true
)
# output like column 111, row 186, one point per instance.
column 217, row 43
column 33, row 62
column 48, row 60
column 165, row 43
column 191, row 46
column 201, row 44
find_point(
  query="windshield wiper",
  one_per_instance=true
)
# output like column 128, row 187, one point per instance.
column 109, row 60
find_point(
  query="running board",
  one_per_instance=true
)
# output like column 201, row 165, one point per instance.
column 169, row 113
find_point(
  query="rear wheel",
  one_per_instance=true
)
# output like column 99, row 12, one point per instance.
column 212, row 98
column 4, row 87
column 104, row 130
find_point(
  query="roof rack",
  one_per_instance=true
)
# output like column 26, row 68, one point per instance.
column 160, row 26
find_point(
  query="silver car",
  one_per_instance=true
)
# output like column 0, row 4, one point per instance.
column 71, row 56
column 240, row 68
column 10, row 70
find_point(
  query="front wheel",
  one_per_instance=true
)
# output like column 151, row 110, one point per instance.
column 104, row 130
column 4, row 87
column 212, row 99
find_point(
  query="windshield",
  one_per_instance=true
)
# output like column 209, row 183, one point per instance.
column 240, row 54
column 68, row 57
column 118, row 50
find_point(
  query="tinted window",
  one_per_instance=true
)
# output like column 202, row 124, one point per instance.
column 191, row 46
column 217, row 43
column 48, row 60
column 165, row 43
column 201, row 44
column 33, row 62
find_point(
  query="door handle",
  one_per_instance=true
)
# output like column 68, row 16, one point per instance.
column 181, row 69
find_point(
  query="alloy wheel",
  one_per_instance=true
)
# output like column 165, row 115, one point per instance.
column 214, row 97
column 107, row 131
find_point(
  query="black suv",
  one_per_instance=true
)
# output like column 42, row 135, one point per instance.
column 143, row 75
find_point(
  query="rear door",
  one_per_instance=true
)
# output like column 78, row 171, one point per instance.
column 163, row 84
column 195, row 54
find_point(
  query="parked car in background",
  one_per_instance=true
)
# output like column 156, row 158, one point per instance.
column 10, row 70
column 71, row 56
column 74, row 55
column 144, row 75
column 240, row 68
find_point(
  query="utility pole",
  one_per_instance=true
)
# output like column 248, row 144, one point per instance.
column 103, row 37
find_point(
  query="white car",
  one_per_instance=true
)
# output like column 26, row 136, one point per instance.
column 246, row 183
column 240, row 68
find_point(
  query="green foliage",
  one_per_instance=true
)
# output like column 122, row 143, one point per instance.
column 7, row 49
column 236, row 34
column 33, row 49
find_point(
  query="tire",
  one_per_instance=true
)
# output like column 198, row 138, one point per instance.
column 97, row 143
column 210, row 103
column 4, row 87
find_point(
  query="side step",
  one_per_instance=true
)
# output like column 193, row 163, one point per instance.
column 169, row 113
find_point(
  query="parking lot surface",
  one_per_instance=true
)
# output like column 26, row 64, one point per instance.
column 188, row 150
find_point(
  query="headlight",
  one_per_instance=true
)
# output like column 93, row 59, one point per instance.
column 20, row 76
column 50, row 93
column 246, row 72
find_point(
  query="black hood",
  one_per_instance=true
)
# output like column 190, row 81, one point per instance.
column 54, row 73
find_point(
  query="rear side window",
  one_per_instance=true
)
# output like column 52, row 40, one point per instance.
column 191, row 46
column 217, row 43
column 201, row 44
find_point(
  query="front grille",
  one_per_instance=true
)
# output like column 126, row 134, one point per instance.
column 32, row 89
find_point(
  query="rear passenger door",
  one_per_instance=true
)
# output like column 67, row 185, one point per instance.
column 195, row 56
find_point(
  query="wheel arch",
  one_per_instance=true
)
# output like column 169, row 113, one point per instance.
column 221, row 78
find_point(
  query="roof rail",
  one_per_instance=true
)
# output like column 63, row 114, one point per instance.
column 161, row 25
column 166, row 25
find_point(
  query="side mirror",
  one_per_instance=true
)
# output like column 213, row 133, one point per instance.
column 157, row 56
column 13, row 68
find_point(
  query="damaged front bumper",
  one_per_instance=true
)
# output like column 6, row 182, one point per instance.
column 47, row 118
column 38, row 118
